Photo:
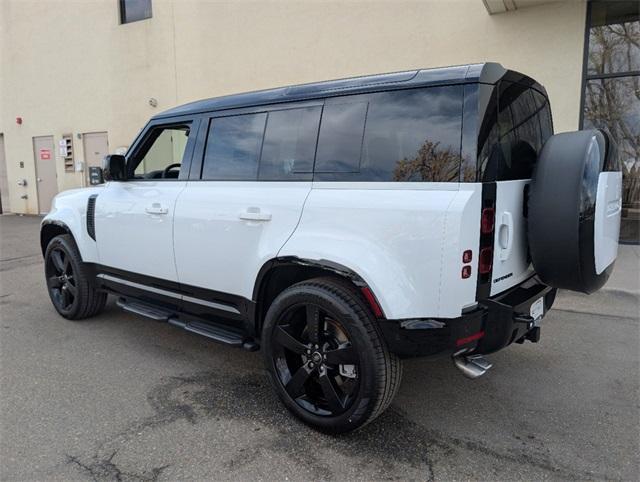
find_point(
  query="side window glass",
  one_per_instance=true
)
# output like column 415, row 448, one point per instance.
column 519, row 129
column 161, row 156
column 413, row 135
column 524, row 115
column 289, row 144
column 515, row 126
column 340, row 139
column 233, row 148
column 488, row 146
column 544, row 115
column 409, row 135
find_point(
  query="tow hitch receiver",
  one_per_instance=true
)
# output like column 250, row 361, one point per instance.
column 472, row 366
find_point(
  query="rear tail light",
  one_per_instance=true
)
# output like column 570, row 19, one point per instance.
column 485, row 252
column 466, row 272
column 488, row 220
column 485, row 260
column 467, row 256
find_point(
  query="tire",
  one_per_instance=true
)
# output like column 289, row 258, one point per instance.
column 573, row 221
column 69, row 282
column 346, row 379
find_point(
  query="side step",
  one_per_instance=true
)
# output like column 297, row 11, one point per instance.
column 143, row 309
column 472, row 366
column 216, row 333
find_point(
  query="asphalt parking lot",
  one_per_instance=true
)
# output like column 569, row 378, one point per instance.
column 119, row 397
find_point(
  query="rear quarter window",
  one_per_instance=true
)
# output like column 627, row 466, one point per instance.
column 402, row 136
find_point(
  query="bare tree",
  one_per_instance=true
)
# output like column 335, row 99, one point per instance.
column 614, row 103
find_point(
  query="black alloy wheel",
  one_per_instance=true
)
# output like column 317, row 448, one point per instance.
column 315, row 360
column 61, row 280
column 70, row 282
column 326, row 356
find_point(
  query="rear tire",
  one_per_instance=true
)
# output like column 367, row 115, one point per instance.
column 70, row 284
column 326, row 357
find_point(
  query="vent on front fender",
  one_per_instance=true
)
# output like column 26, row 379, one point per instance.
column 91, row 215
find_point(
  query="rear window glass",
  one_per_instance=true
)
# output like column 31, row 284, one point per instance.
column 516, row 126
column 289, row 144
column 233, row 148
column 340, row 140
column 408, row 135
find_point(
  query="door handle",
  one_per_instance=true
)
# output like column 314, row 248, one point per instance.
column 156, row 208
column 254, row 214
column 505, row 235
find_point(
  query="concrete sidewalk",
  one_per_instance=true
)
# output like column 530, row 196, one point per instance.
column 620, row 296
column 626, row 273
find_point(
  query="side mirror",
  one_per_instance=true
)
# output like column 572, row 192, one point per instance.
column 114, row 167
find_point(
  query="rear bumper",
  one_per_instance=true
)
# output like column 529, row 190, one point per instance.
column 494, row 324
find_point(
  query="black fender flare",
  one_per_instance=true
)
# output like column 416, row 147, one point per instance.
column 49, row 229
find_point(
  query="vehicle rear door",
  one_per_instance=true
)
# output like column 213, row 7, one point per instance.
column 244, row 200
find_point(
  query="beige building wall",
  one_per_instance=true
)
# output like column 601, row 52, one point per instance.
column 70, row 67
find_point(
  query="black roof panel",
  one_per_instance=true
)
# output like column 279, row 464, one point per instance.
column 487, row 73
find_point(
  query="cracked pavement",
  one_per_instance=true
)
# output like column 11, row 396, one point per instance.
column 119, row 397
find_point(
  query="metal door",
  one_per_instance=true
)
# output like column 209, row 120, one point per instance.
column 46, row 178
column 96, row 146
column 4, row 185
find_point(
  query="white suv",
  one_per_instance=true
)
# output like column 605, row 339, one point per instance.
column 344, row 225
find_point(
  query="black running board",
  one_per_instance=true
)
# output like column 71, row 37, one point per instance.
column 215, row 333
column 153, row 312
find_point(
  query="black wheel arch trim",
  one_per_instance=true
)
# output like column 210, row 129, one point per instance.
column 324, row 265
column 45, row 226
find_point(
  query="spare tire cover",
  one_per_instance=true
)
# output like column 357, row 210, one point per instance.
column 574, row 211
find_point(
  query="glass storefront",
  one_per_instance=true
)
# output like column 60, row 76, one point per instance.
column 612, row 94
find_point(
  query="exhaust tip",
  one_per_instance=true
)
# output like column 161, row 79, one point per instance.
column 473, row 366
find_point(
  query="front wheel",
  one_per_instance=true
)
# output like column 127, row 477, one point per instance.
column 326, row 357
column 69, row 282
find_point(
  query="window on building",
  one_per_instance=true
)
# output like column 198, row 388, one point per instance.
column 233, row 148
column 134, row 10
column 611, row 99
column 290, row 144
